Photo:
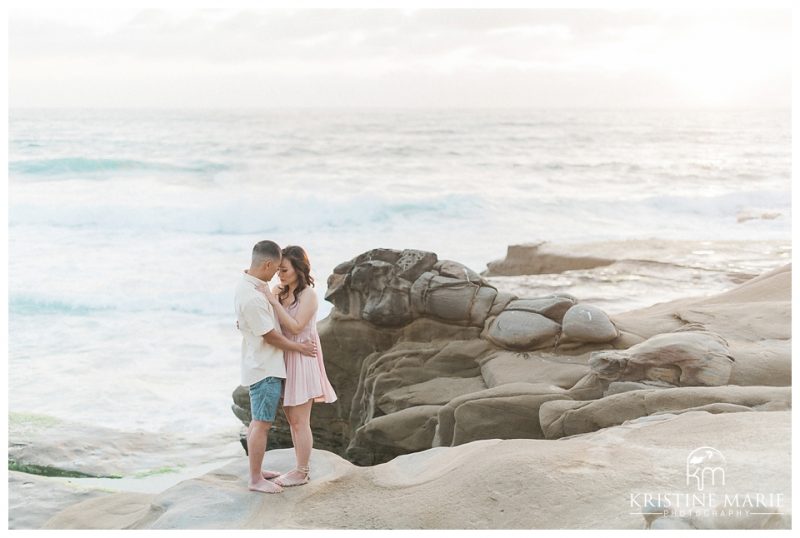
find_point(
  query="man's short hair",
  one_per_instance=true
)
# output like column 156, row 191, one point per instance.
column 266, row 250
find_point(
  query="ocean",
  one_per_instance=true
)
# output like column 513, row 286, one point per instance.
column 128, row 229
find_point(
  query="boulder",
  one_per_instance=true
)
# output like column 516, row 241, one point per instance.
column 678, row 358
column 521, row 330
column 587, row 323
column 375, row 285
column 452, row 300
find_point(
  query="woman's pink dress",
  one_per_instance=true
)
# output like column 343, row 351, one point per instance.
column 305, row 375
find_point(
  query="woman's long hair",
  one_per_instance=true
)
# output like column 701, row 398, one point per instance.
column 299, row 260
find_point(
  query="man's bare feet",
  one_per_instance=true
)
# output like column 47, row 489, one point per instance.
column 268, row 475
column 264, row 486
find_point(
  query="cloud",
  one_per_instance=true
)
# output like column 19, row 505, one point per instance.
column 94, row 51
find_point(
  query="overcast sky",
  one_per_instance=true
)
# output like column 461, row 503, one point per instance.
column 396, row 58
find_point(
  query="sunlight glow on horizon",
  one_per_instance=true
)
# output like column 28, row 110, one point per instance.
column 394, row 58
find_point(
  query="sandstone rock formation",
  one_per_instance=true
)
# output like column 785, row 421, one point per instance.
column 541, row 257
column 51, row 447
column 567, row 417
column 425, row 353
column 32, row 500
column 679, row 358
column 598, row 480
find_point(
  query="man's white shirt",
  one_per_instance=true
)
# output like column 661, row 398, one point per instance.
column 256, row 318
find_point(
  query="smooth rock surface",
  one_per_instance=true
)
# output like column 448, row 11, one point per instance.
column 518, row 329
column 504, row 411
column 564, row 419
column 32, row 499
column 503, row 367
column 596, row 480
column 436, row 391
column 553, row 306
column 691, row 357
column 587, row 323
column 62, row 446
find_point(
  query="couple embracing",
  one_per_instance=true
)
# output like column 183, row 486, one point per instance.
column 281, row 357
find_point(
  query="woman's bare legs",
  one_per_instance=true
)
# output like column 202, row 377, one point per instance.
column 291, row 431
column 299, row 418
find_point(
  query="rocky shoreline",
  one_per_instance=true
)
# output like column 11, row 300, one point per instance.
column 439, row 372
column 54, row 464
column 593, row 481
column 426, row 353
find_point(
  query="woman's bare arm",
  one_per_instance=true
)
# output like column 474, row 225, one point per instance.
column 275, row 338
column 305, row 311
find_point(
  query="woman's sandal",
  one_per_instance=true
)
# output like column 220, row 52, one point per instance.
column 282, row 480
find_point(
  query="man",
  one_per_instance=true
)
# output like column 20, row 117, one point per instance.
column 263, row 368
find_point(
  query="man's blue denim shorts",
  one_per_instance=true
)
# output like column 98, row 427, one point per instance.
column 264, row 398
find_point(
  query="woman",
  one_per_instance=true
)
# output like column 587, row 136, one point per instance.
column 295, row 304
